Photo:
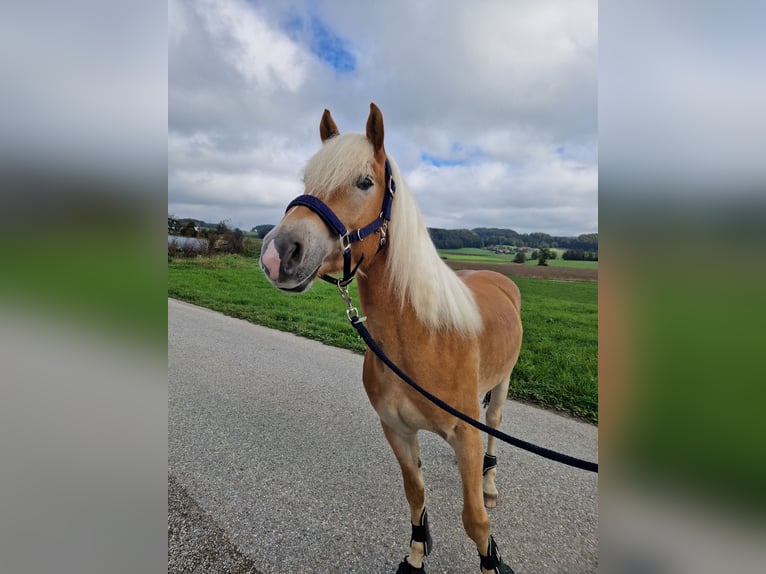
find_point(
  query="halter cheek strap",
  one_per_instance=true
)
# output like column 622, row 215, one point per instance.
column 348, row 238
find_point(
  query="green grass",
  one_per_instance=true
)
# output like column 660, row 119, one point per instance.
column 564, row 263
column 558, row 363
column 474, row 254
column 477, row 255
column 236, row 286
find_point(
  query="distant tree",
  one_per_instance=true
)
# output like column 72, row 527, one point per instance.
column 538, row 239
column 235, row 240
column 520, row 257
column 534, row 255
column 189, row 229
column 262, row 230
column 449, row 238
column 573, row 255
column 580, row 255
column 544, row 253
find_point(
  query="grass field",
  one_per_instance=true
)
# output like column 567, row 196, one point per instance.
column 236, row 286
column 476, row 255
column 558, row 363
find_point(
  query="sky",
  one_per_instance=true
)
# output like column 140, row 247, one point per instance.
column 490, row 108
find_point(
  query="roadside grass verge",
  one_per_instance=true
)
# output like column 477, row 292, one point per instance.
column 559, row 357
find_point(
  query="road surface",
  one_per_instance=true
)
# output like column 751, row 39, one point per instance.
column 277, row 463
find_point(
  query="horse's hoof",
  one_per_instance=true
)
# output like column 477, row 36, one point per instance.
column 407, row 568
column 490, row 500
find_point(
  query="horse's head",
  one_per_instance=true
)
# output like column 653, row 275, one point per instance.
column 348, row 176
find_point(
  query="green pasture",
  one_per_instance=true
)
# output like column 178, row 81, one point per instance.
column 564, row 263
column 236, row 286
column 558, row 363
column 474, row 254
column 477, row 255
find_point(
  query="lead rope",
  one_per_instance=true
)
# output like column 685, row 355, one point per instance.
column 358, row 323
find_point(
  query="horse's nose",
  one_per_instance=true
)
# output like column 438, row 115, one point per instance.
column 282, row 256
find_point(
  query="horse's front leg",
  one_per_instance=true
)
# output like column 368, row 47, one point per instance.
column 468, row 448
column 407, row 451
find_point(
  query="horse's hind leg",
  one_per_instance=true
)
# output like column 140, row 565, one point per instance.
column 494, row 417
column 407, row 451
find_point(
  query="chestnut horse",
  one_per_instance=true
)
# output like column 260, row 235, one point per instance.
column 457, row 334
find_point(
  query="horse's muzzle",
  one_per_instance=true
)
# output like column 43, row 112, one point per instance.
column 290, row 261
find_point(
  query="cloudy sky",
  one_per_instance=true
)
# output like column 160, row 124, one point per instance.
column 490, row 108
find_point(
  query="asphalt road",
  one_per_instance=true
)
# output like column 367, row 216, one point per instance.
column 277, row 463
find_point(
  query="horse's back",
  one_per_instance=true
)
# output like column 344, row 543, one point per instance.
column 490, row 287
column 499, row 301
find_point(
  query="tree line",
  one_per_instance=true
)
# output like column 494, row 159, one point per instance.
column 483, row 237
column 582, row 247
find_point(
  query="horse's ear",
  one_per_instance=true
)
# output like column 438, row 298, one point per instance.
column 375, row 128
column 327, row 127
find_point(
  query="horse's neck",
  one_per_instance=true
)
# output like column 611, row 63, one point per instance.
column 379, row 302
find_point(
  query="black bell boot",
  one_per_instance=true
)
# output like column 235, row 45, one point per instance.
column 493, row 561
column 407, row 568
column 420, row 533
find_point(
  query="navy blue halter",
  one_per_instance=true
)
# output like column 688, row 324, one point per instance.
column 348, row 238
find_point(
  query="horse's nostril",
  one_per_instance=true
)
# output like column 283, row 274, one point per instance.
column 293, row 256
column 297, row 252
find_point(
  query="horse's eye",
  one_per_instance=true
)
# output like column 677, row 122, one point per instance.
column 365, row 183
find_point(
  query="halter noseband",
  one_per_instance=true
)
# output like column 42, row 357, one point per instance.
column 348, row 238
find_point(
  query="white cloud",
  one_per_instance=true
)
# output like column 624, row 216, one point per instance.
column 263, row 56
column 500, row 96
column 550, row 191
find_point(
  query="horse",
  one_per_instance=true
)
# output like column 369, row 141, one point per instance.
column 458, row 334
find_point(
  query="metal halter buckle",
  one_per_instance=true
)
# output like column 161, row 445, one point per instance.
column 345, row 242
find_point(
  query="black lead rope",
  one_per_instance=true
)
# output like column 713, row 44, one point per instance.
column 358, row 324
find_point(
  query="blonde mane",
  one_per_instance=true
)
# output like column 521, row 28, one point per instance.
column 416, row 272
